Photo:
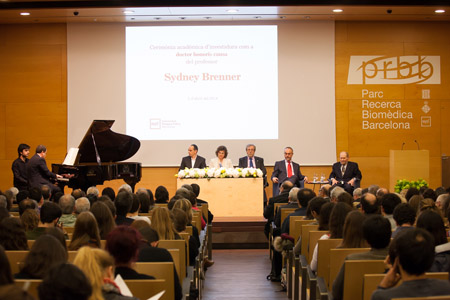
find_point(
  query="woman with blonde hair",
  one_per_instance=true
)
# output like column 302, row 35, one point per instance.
column 86, row 232
column 98, row 266
column 163, row 225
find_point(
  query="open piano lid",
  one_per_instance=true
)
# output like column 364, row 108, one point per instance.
column 101, row 144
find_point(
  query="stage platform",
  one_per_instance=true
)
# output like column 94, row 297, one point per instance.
column 239, row 233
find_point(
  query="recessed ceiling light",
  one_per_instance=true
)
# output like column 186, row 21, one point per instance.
column 24, row 13
column 232, row 10
column 128, row 12
column 337, row 10
column 439, row 11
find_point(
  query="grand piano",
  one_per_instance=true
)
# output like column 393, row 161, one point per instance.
column 99, row 156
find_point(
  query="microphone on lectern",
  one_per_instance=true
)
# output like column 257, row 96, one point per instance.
column 418, row 147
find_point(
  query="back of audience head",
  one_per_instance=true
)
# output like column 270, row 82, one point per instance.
column 186, row 206
column 4, row 213
column 150, row 235
column 55, row 197
column 315, row 205
column 188, row 187
column 428, row 204
column 161, row 195
column 12, row 234
column 26, row 204
column 138, row 224
column 187, row 194
column 293, row 195
column 429, row 193
column 381, row 192
column 107, row 191
column 286, row 186
column 135, row 204
column 377, row 231
column 4, row 202
column 373, row 189
column 35, row 194
column 5, row 269
column 123, row 244
column 93, row 191
column 353, row 236
column 370, row 204
column 404, row 214
column 82, row 204
column 357, row 193
column 85, row 232
column 415, row 251
column 67, row 204
column 324, row 191
column 162, row 223
column 58, row 234
column 442, row 202
column 65, row 282
column 50, row 213
column 337, row 219
column 433, row 223
column 22, row 195
column 179, row 218
column 125, row 188
column 414, row 201
column 422, row 190
column 96, row 264
column 123, row 203
column 335, row 192
column 46, row 192
column 440, row 190
column 389, row 202
column 345, row 198
column 324, row 217
column 411, row 192
column 45, row 253
column 78, row 193
column 195, row 189
column 144, row 200
column 30, row 219
column 104, row 217
column 304, row 195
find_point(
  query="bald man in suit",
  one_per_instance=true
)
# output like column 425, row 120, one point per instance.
column 287, row 170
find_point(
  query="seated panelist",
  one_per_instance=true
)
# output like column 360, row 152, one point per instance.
column 345, row 173
column 193, row 160
column 221, row 160
column 287, row 170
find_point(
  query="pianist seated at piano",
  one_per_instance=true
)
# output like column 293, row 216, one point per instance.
column 38, row 173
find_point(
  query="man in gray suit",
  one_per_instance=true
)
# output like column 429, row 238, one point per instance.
column 252, row 161
column 193, row 160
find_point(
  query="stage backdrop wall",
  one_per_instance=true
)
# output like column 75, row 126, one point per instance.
column 33, row 102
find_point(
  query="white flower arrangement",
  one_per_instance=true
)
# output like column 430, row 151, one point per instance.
column 220, row 173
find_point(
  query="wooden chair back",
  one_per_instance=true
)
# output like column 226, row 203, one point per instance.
column 16, row 257
column 14, row 213
column 323, row 257
column 161, row 204
column 186, row 237
column 159, row 270
column 305, row 237
column 276, row 206
column 314, row 236
column 197, row 218
column 425, row 298
column 286, row 212
column 204, row 209
column 295, row 226
column 71, row 256
column 189, row 229
column 149, row 214
column 146, row 288
column 354, row 276
column 337, row 258
column 175, row 253
column 69, row 230
column 103, row 244
column 371, row 282
column 30, row 243
column 30, row 285
column 181, row 246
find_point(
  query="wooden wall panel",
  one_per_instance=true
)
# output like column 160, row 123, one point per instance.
column 2, row 132
column 445, row 128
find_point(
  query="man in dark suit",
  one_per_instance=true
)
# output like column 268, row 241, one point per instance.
column 38, row 173
column 252, row 161
column 193, row 160
column 283, row 197
column 345, row 173
column 287, row 170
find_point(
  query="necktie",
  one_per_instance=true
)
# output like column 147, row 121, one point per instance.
column 251, row 162
column 289, row 170
column 343, row 170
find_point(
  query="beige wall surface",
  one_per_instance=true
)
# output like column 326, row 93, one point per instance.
column 33, row 98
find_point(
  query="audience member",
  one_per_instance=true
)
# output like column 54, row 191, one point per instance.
column 107, row 191
column 373, row 189
column 381, row 192
column 50, row 214
column 414, row 202
column 377, row 233
column 67, row 204
column 123, row 203
column 388, row 203
column 335, row 191
column 109, row 204
column 432, row 222
column 404, row 216
column 429, row 193
column 414, row 256
column 352, row 236
column 65, row 282
column 4, row 213
column 125, row 188
column 85, row 233
column 78, row 193
column 12, row 234
column 282, row 197
column 324, row 191
column 58, row 233
column 303, row 198
column 98, row 266
column 180, row 221
column 123, row 244
column 46, row 192
column 29, row 219
column 357, row 194
column 22, row 195
column 442, row 202
column 293, row 202
column 144, row 200
column 186, row 206
column 93, row 190
column 45, row 253
column 411, row 192
column 135, row 208
column 196, row 190
column 27, row 204
column 36, row 195
column 161, row 195
column 345, row 198
column 7, row 288
column 370, row 204
column 82, row 204
column 104, row 217
column 162, row 224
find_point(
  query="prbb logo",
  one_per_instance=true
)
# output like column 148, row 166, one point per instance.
column 420, row 69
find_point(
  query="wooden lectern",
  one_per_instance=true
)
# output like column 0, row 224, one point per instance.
column 408, row 164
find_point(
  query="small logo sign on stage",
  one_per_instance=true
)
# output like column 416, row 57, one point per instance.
column 155, row 123
column 425, row 121
column 376, row 69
